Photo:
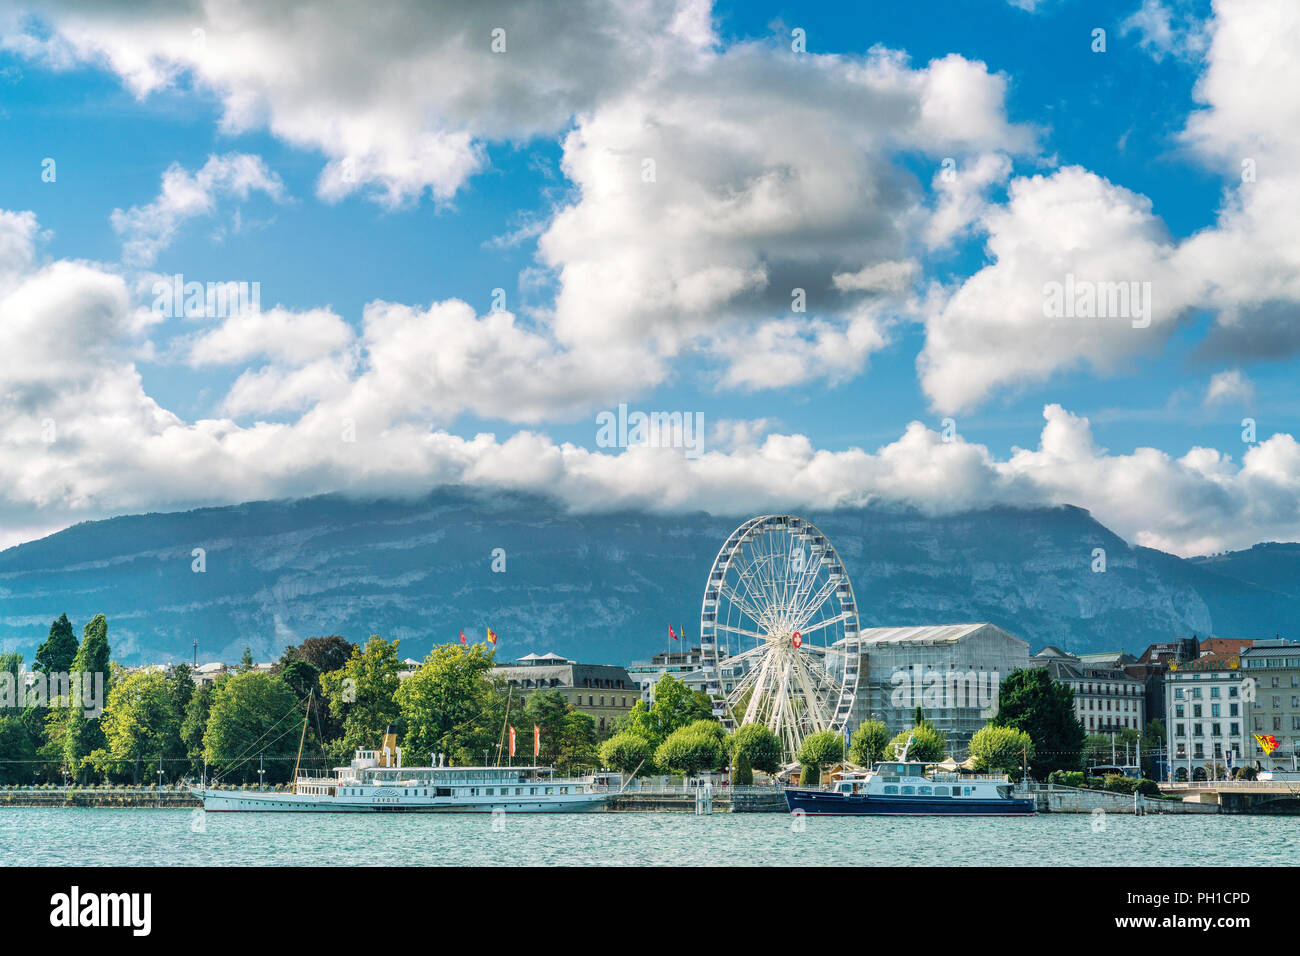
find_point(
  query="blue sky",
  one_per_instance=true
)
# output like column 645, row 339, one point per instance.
column 71, row 89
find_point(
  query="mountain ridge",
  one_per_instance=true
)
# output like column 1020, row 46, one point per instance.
column 601, row 587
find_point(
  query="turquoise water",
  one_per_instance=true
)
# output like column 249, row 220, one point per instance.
column 59, row 836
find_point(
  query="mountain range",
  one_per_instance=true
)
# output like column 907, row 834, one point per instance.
column 601, row 588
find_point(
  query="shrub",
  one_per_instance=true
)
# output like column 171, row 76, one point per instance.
column 1148, row 788
column 742, row 775
column 1118, row 783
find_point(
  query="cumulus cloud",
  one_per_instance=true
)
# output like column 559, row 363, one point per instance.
column 149, row 229
column 400, row 98
column 1229, row 386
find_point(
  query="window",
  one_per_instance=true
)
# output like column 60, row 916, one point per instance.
column 1214, row 709
column 1214, row 692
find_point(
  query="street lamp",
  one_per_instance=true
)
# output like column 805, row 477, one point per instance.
column 261, row 775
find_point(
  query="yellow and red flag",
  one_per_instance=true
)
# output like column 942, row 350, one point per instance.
column 512, row 741
column 462, row 635
column 1267, row 743
column 492, row 636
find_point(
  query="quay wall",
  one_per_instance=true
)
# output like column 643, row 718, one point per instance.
column 1074, row 800
column 120, row 797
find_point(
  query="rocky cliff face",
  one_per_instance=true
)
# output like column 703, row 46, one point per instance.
column 602, row 588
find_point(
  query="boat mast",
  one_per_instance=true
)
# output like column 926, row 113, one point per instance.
column 302, row 739
column 504, row 723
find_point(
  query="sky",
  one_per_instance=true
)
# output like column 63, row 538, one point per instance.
column 947, row 254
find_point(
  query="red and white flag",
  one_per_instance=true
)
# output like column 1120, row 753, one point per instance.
column 537, row 740
column 462, row 635
column 670, row 632
column 512, row 741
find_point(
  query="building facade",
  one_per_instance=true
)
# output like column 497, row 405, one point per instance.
column 952, row 671
column 1106, row 699
column 1271, row 671
column 1205, row 718
column 605, row 691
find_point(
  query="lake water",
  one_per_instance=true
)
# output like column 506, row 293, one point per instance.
column 73, row 836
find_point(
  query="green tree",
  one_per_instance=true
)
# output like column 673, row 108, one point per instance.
column 246, row 662
column 17, row 752
column 626, row 751
column 758, row 745
column 1153, row 741
column 323, row 653
column 194, row 724
column 697, row 747
column 361, row 693
column 253, row 715
column 742, row 774
column 928, row 744
column 141, row 726
column 996, row 749
column 81, row 734
column 675, row 706
column 547, row 710
column 818, row 750
column 57, row 652
column 869, row 742
column 180, row 685
column 1031, row 701
column 577, row 749
column 448, row 705
column 11, row 663
column 302, row 676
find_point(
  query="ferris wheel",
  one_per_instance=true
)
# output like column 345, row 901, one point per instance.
column 779, row 634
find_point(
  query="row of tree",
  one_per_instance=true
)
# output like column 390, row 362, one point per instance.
column 324, row 699
column 327, row 697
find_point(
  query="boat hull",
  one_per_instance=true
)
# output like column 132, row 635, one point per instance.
column 254, row 801
column 827, row 803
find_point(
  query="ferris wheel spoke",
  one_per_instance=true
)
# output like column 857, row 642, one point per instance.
column 740, row 630
column 811, row 628
column 821, row 597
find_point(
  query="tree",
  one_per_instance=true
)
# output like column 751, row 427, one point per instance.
column 361, row 693
column 758, row 745
column 11, row 663
column 818, row 750
column 246, row 662
column 17, row 752
column 996, row 749
column 547, row 710
column 577, row 746
column 302, row 676
column 869, row 742
column 449, row 705
column 626, row 751
column 1031, row 701
column 692, row 749
column 180, row 685
column 253, row 715
column 928, row 744
column 742, row 774
column 323, row 653
column 675, row 706
column 194, row 723
column 1153, row 742
column 81, row 734
column 141, row 725
column 56, row 653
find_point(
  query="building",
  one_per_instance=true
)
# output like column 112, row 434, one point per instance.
column 1205, row 717
column 605, row 691
column 952, row 671
column 1271, row 670
column 1106, row 699
column 1159, row 658
column 684, row 665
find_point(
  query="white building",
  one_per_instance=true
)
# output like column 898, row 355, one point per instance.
column 1105, row 698
column 1205, row 720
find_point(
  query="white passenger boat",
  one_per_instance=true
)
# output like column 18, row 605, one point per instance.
column 376, row 782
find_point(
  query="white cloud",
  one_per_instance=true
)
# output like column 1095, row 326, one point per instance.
column 399, row 99
column 1167, row 29
column 1071, row 226
column 147, row 230
column 1229, row 386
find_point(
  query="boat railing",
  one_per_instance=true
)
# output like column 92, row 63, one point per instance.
column 956, row 777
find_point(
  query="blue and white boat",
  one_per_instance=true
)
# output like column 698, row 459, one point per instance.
column 904, row 788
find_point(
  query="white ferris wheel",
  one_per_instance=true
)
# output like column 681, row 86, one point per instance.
column 779, row 631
